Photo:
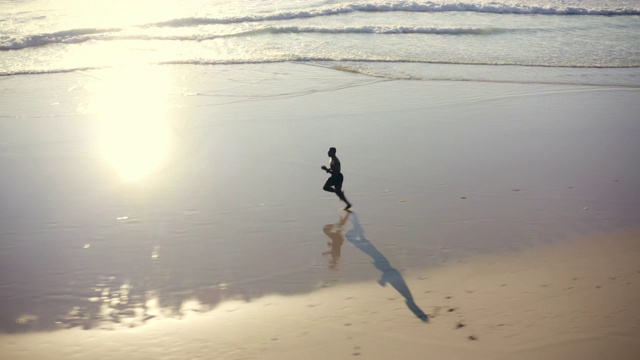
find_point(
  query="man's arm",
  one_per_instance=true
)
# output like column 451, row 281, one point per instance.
column 326, row 169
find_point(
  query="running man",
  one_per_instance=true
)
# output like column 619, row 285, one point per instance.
column 334, row 183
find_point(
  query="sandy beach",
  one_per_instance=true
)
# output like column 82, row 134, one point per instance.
column 573, row 301
column 490, row 220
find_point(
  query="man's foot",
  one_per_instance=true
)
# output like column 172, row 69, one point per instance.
column 347, row 207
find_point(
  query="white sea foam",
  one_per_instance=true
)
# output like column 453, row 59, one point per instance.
column 81, row 35
column 387, row 30
column 408, row 6
column 62, row 37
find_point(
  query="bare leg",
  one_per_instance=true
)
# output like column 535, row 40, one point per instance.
column 342, row 197
column 328, row 186
column 335, row 186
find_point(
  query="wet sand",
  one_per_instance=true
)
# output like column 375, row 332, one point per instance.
column 571, row 301
column 178, row 212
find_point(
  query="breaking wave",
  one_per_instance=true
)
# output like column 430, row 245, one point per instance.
column 82, row 35
column 408, row 6
column 61, row 37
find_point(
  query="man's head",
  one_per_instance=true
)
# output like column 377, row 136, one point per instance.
column 332, row 152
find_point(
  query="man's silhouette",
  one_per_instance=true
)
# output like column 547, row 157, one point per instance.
column 334, row 183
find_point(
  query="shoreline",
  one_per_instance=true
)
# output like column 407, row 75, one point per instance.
column 599, row 77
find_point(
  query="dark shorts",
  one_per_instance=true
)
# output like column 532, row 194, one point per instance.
column 335, row 181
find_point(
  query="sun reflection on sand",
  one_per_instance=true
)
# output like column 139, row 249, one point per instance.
column 134, row 133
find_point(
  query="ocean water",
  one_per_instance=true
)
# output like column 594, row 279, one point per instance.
column 551, row 41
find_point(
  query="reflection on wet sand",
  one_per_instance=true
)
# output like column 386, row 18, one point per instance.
column 335, row 232
column 389, row 274
column 133, row 270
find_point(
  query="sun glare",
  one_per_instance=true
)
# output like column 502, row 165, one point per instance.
column 134, row 133
column 120, row 13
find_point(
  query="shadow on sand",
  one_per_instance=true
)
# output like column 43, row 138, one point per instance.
column 389, row 273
